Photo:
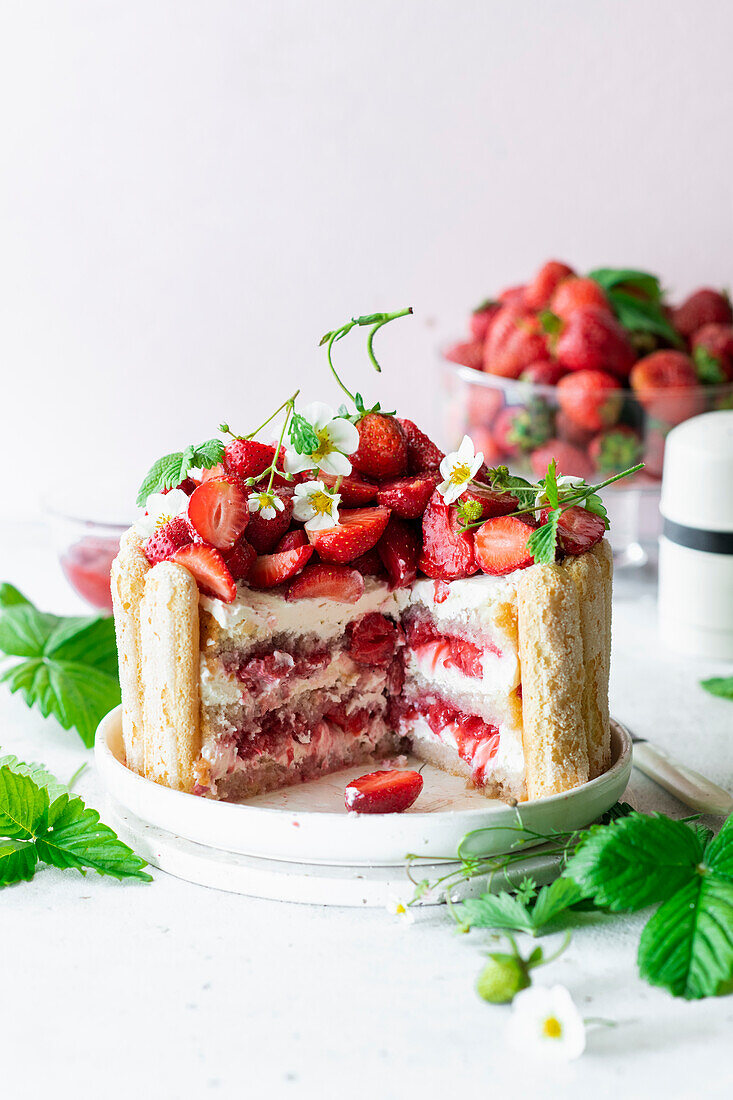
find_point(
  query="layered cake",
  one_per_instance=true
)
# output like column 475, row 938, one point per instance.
column 349, row 593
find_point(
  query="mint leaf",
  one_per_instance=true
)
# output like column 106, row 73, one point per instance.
column 68, row 666
column 302, row 435
column 23, row 806
column 11, row 597
column 610, row 277
column 18, row 861
column 635, row 861
column 687, row 946
column 170, row 470
column 500, row 911
column 542, row 543
column 721, row 686
column 79, row 840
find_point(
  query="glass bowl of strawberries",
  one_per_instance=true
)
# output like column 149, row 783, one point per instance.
column 594, row 371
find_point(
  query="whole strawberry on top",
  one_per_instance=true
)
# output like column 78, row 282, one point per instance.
column 344, row 495
column 610, row 364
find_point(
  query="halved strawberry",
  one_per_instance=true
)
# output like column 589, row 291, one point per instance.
column 271, row 569
column 166, row 539
column 422, row 453
column 218, row 511
column 578, row 529
column 324, row 581
column 382, row 450
column 264, row 534
column 501, row 545
column 355, row 491
column 408, row 496
column 388, row 792
column 240, row 559
column 292, row 540
column 209, row 570
column 448, row 552
column 399, row 550
column 358, row 530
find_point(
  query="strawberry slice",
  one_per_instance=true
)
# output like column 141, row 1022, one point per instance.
column 324, row 581
column 578, row 529
column 264, row 534
column 357, row 531
column 271, row 569
column 388, row 792
column 422, row 453
column 355, row 491
column 209, row 570
column 399, row 550
column 408, row 496
column 448, row 552
column 382, row 450
column 218, row 511
column 501, row 545
column 240, row 559
column 167, row 539
column 292, row 540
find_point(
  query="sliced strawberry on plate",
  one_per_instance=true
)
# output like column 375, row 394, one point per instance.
column 218, row 511
column 448, row 552
column 264, row 534
column 422, row 453
column 355, row 491
column 271, row 569
column 209, row 570
column 292, row 540
column 325, row 581
column 358, row 530
column 578, row 530
column 240, row 559
column 167, row 539
column 382, row 450
column 501, row 545
column 388, row 792
column 408, row 496
column 399, row 550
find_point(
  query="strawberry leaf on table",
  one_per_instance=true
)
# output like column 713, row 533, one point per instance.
column 11, row 597
column 721, row 686
column 172, row 469
column 18, row 861
column 66, row 667
column 507, row 912
column 79, row 840
column 542, row 543
column 38, row 773
column 23, row 806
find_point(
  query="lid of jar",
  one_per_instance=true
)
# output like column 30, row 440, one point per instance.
column 697, row 481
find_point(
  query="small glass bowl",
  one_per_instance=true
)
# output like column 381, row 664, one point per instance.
column 519, row 424
column 86, row 544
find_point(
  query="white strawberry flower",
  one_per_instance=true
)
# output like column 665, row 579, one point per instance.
column 399, row 909
column 268, row 504
column 316, row 506
column 545, row 1022
column 565, row 483
column 457, row 469
column 337, row 438
column 161, row 508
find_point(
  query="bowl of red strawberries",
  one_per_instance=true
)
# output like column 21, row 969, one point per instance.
column 592, row 370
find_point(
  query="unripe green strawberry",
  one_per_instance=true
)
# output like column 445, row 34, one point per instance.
column 502, row 978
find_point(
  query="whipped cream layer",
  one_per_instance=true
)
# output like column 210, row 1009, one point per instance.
column 475, row 605
column 508, row 761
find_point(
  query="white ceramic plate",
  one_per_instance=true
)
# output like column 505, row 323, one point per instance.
column 309, row 824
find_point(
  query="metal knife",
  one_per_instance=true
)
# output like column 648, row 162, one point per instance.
column 685, row 783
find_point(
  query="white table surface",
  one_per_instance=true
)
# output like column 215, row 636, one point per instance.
column 172, row 990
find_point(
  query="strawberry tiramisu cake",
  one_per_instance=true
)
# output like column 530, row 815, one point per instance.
column 346, row 593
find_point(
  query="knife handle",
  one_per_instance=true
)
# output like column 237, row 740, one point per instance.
column 684, row 783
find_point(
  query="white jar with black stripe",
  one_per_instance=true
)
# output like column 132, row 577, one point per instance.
column 696, row 546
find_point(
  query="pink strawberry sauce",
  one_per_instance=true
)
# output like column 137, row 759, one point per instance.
column 87, row 566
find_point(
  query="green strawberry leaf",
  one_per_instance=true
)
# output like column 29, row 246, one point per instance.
column 610, row 277
column 635, row 861
column 38, row 773
column 643, row 316
column 500, row 911
column 77, row 839
column 542, row 543
column 719, row 852
column 18, row 861
column 23, row 806
column 553, row 900
column 721, row 686
column 302, row 435
column 11, row 597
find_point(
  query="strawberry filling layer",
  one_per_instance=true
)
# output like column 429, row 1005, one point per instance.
column 449, row 650
column 476, row 740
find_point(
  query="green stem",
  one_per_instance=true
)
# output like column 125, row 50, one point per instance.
column 289, row 404
column 290, row 401
column 373, row 331
column 375, row 321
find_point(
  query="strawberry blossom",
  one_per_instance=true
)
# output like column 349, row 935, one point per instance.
column 337, row 438
column 161, row 508
column 316, row 506
column 458, row 469
column 266, row 503
column 545, row 1022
